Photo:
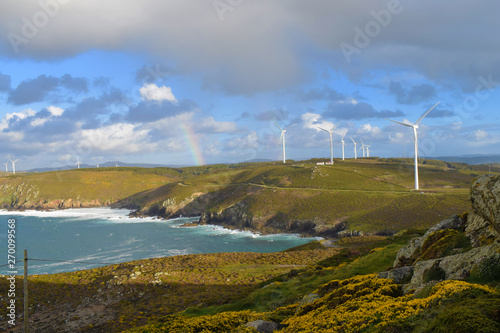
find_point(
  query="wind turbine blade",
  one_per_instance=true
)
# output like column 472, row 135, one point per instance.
column 352, row 140
column 281, row 137
column 278, row 126
column 362, row 142
column 290, row 126
column 400, row 123
column 334, row 127
column 324, row 129
column 425, row 114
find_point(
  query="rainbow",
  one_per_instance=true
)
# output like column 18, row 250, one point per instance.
column 193, row 144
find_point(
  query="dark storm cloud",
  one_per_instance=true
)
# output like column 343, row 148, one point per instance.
column 4, row 82
column 413, row 95
column 36, row 90
column 445, row 42
column 357, row 111
column 148, row 111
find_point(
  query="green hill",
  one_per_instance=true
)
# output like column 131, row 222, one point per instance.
column 361, row 196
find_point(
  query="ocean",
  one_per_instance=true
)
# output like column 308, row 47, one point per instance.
column 76, row 239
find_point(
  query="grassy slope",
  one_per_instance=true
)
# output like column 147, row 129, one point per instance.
column 135, row 291
column 371, row 194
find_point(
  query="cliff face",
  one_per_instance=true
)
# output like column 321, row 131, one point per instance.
column 460, row 247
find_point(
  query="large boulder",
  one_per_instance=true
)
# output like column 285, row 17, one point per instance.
column 485, row 199
column 263, row 326
column 479, row 231
column 457, row 267
column 409, row 253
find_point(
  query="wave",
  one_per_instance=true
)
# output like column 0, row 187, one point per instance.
column 103, row 214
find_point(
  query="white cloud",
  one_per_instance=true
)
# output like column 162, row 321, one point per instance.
column 39, row 122
column 55, row 111
column 313, row 121
column 480, row 134
column 250, row 141
column 152, row 92
column 117, row 138
column 210, row 125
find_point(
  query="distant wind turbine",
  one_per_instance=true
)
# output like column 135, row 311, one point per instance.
column 116, row 164
column 78, row 163
column 368, row 150
column 98, row 164
column 6, row 165
column 355, row 151
column 343, row 144
column 331, row 139
column 13, row 165
column 282, row 138
column 363, row 146
column 415, row 139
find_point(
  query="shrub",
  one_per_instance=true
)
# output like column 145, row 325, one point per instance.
column 486, row 270
column 442, row 243
column 433, row 273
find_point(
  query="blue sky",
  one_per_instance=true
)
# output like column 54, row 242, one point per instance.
column 198, row 82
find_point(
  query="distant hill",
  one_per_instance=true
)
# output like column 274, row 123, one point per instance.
column 106, row 165
column 471, row 159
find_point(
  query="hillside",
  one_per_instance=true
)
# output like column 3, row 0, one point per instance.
column 446, row 279
column 356, row 196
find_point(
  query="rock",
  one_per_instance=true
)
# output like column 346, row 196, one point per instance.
column 480, row 232
column 263, row 326
column 400, row 275
column 457, row 267
column 485, row 199
column 408, row 254
column 308, row 299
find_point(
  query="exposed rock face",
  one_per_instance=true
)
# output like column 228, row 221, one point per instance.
column 263, row 326
column 457, row 267
column 485, row 198
column 481, row 227
column 480, row 231
column 408, row 254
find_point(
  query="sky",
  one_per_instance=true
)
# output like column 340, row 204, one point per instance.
column 200, row 82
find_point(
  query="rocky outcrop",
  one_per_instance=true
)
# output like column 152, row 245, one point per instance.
column 456, row 247
column 411, row 252
column 263, row 326
column 485, row 199
column 55, row 204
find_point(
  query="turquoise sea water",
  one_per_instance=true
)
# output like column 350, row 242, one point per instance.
column 104, row 235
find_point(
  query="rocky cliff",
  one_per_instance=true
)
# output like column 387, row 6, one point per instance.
column 460, row 247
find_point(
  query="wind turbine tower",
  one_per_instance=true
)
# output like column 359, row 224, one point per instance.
column 415, row 139
column 282, row 138
column 343, row 144
column 13, row 166
column 368, row 150
column 78, row 163
column 363, row 146
column 355, row 151
column 331, row 139
column 6, row 165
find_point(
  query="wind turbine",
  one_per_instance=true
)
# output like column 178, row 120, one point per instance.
column 331, row 139
column 78, row 163
column 116, row 164
column 6, row 165
column 282, row 137
column 97, row 166
column 415, row 126
column 343, row 143
column 13, row 165
column 363, row 146
column 368, row 150
column 355, row 151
